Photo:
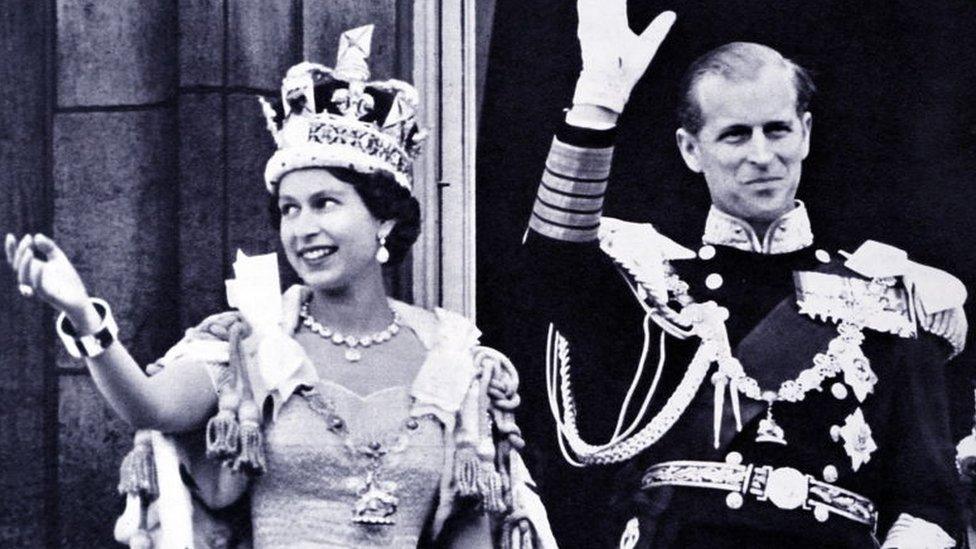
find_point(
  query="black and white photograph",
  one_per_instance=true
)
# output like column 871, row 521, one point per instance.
column 508, row 274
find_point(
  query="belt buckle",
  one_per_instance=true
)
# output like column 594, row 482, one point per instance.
column 786, row 488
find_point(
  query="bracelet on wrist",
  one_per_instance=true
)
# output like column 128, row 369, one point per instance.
column 93, row 344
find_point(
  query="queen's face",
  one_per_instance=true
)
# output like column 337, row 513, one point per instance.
column 329, row 236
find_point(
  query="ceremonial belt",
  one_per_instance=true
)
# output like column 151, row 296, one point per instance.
column 784, row 487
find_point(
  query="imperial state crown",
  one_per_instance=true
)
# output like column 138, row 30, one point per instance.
column 337, row 118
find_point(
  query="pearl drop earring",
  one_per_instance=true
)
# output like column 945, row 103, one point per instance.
column 382, row 254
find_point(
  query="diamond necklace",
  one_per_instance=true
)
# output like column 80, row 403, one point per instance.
column 353, row 353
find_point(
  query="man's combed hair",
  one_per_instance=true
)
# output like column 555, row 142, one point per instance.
column 737, row 61
column 385, row 199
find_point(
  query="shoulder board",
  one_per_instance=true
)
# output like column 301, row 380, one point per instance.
column 914, row 295
column 642, row 251
column 934, row 289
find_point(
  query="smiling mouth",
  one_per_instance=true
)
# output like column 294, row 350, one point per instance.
column 314, row 253
column 761, row 180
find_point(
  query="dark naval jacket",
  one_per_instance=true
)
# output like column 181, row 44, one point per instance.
column 883, row 437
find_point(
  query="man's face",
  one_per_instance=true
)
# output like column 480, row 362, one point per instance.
column 751, row 145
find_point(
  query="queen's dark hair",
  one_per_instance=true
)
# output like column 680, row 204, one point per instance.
column 384, row 198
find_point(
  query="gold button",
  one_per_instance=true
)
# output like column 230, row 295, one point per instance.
column 706, row 252
column 839, row 390
column 822, row 256
column 714, row 281
column 830, row 473
column 734, row 500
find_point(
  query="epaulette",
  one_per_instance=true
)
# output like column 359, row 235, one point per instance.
column 642, row 252
column 880, row 288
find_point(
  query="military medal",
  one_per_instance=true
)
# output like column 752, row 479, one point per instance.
column 769, row 430
column 862, row 304
column 843, row 356
column 858, row 442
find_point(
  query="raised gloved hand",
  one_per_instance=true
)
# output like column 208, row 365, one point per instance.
column 614, row 58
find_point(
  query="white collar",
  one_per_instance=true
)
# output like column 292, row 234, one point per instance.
column 789, row 233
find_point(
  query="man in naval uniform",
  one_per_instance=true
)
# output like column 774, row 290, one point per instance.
column 784, row 395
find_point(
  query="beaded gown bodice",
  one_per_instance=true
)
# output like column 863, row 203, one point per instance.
column 316, row 475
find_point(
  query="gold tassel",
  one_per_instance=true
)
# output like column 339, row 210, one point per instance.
column 508, row 532
column 489, row 483
column 140, row 540
column 137, row 475
column 517, row 534
column 528, row 536
column 490, row 486
column 223, row 431
column 466, row 467
column 503, row 466
column 251, row 459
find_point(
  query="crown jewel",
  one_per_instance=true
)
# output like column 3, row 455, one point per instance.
column 337, row 118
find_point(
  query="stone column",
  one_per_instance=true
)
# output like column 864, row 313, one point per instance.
column 115, row 215
column 28, row 384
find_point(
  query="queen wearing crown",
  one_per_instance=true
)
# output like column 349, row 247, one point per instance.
column 349, row 419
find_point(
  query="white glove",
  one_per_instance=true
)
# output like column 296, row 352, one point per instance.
column 909, row 532
column 614, row 58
